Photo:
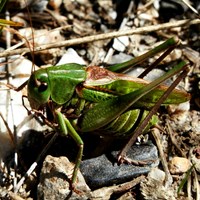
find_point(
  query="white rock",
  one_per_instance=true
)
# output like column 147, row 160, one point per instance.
column 119, row 58
column 121, row 43
column 71, row 56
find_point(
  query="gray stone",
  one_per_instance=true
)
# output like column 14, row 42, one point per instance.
column 55, row 181
column 104, row 170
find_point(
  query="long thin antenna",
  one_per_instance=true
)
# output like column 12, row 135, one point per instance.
column 33, row 41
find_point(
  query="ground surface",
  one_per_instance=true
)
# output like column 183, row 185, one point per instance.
column 56, row 27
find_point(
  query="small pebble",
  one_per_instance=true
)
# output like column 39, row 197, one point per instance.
column 157, row 175
column 54, row 180
column 121, row 43
column 70, row 57
column 179, row 165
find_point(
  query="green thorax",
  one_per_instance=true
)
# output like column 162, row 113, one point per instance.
column 63, row 80
column 57, row 83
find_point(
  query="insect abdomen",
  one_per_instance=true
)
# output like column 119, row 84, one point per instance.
column 125, row 124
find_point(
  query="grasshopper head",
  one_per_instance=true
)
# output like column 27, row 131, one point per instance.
column 38, row 89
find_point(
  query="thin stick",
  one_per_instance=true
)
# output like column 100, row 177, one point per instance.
column 168, row 177
column 173, row 140
column 196, row 184
column 34, row 165
column 8, row 129
column 12, row 87
column 100, row 193
column 189, row 6
column 104, row 36
column 189, row 181
column 195, row 181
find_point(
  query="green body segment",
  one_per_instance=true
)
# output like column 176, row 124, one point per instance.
column 122, row 87
column 57, row 83
column 124, row 125
column 67, row 77
column 98, row 87
column 105, row 112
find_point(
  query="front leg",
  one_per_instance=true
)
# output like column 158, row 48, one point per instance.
column 66, row 126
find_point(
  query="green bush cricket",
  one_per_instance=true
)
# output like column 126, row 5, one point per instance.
column 106, row 102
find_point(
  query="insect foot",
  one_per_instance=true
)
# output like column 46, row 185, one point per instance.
column 104, row 170
column 55, row 180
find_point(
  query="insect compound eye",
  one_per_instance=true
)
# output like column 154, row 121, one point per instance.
column 42, row 87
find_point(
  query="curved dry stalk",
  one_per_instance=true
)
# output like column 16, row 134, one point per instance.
column 195, row 182
column 173, row 140
column 104, row 36
column 156, row 135
column 188, row 4
column 34, row 165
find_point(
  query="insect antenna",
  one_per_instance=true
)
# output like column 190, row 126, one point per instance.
column 33, row 39
column 157, row 61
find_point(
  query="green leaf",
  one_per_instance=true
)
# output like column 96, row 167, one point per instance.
column 2, row 4
column 185, row 179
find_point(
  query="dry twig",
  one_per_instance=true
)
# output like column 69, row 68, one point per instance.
column 104, row 36
column 173, row 140
column 156, row 135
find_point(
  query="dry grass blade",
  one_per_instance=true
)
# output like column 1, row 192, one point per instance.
column 186, row 2
column 104, row 36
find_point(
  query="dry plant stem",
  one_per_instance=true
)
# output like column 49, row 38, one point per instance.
column 12, row 87
column 104, row 36
column 8, row 129
column 145, row 7
column 100, row 193
column 14, row 196
column 29, row 41
column 128, row 185
column 189, row 187
column 173, row 140
column 9, row 97
column 189, row 181
column 168, row 178
column 25, row 40
column 186, row 2
column 34, row 165
column 195, row 182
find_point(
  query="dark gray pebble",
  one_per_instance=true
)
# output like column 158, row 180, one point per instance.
column 104, row 170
